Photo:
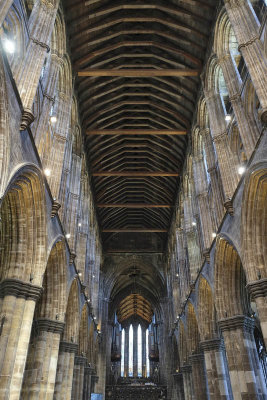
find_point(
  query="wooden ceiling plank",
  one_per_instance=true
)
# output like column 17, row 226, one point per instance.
column 136, row 73
column 132, row 230
column 135, row 132
column 105, row 205
column 135, row 173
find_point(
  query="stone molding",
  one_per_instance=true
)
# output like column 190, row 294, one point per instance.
column 55, row 207
column 186, row 368
column 236, row 322
column 17, row 288
column 257, row 288
column 68, row 347
column 89, row 370
column 27, row 119
column 228, row 205
column 44, row 45
column 196, row 358
column 212, row 344
column 79, row 360
column 48, row 325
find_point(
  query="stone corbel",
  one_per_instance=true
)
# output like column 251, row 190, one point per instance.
column 55, row 207
column 228, row 205
column 27, row 119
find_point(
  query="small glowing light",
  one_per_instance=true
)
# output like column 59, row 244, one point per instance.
column 94, row 318
column 214, row 235
column 67, row 235
column 93, row 276
column 47, row 172
column 9, row 46
column 194, row 223
column 228, row 117
column 79, row 273
column 88, row 301
column 177, row 274
column 79, row 224
column 53, row 119
column 241, row 170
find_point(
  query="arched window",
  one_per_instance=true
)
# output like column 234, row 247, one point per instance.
column 131, row 351
column 139, row 351
column 122, row 351
column 147, row 356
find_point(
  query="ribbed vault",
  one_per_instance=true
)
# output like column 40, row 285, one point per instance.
column 134, row 305
column 135, row 163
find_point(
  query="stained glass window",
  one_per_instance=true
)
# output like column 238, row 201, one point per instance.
column 139, row 351
column 131, row 351
column 147, row 356
column 122, row 351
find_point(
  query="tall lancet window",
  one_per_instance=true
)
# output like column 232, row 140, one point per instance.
column 147, row 356
column 122, row 351
column 139, row 350
column 131, row 351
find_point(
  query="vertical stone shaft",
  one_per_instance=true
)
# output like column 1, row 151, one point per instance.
column 18, row 301
column 48, row 101
column 198, row 376
column 215, row 363
column 126, row 352
column 78, row 378
column 248, row 132
column 203, row 201
column 40, row 371
column 144, row 372
column 188, row 382
column 240, row 349
column 246, row 31
column 65, row 369
column 135, row 348
column 41, row 24
column 87, row 383
column 226, row 159
column 215, row 178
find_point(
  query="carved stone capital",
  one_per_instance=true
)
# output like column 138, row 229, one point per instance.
column 196, row 358
column 20, row 289
column 27, row 119
column 48, row 325
column 212, row 344
column 72, row 257
column 228, row 205
column 206, row 254
column 55, row 207
column 237, row 322
column 68, row 347
column 257, row 288
column 186, row 368
column 79, row 360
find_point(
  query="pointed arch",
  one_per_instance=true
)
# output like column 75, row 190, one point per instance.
column 84, row 332
column 193, row 337
column 71, row 331
column 206, row 310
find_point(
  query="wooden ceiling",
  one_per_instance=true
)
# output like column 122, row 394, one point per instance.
column 136, row 306
column 137, row 64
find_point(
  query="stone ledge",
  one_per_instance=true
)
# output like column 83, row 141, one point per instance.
column 79, row 360
column 48, row 325
column 68, row 347
column 17, row 288
column 186, row 368
column 212, row 344
column 196, row 358
column 236, row 322
column 257, row 288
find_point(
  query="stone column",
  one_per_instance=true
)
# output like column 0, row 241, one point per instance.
column 135, row 348
column 78, row 378
column 245, row 375
column 65, row 369
column 41, row 24
column 144, row 374
column 178, row 387
column 4, row 8
column 126, row 352
column 246, row 30
column 248, row 132
column 258, row 293
column 87, row 383
column 199, row 376
column 41, row 366
column 227, row 161
column 17, row 305
column 186, row 370
column 216, row 369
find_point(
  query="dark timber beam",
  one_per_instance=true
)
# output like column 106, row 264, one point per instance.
column 135, row 132
column 136, row 73
column 134, row 173
column 115, row 230
column 125, row 205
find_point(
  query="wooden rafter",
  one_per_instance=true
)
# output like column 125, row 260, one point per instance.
column 135, row 173
column 136, row 73
column 135, row 132
column 125, row 205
